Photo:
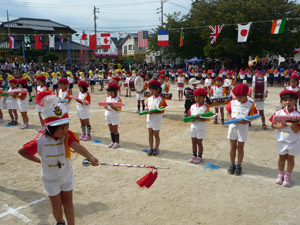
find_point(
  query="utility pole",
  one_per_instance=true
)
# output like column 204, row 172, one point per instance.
column 8, row 21
column 162, row 13
column 96, row 10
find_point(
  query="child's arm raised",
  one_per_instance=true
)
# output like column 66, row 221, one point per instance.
column 84, row 152
column 33, row 158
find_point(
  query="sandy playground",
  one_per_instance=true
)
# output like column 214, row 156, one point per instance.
column 186, row 194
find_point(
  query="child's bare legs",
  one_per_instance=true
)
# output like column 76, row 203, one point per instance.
column 180, row 95
column 216, row 111
column 240, row 152
column 24, row 117
column 155, row 134
column 194, row 143
column 157, row 138
column 263, row 119
column 222, row 114
column 41, row 119
column 151, row 133
column 233, row 145
column 239, row 147
column 200, row 147
column 15, row 114
column 1, row 114
column 63, row 199
column 138, row 105
column 10, row 112
column 143, row 105
column 70, row 90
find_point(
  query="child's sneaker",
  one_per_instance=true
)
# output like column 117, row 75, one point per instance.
column 238, row 170
column 116, row 145
column 192, row 160
column 150, row 152
column 155, row 151
column 287, row 182
column 87, row 138
column 111, row 144
column 231, row 169
column 198, row 160
column 82, row 136
column 279, row 178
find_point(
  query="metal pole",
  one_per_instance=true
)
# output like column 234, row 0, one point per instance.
column 8, row 22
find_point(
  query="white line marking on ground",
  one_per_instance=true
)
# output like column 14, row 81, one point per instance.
column 14, row 211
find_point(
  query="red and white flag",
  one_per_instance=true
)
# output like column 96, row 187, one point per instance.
column 142, row 39
column 12, row 41
column 243, row 32
column 38, row 41
column 215, row 32
column 105, row 40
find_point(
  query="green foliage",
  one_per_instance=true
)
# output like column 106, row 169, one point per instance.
column 50, row 56
column 260, row 42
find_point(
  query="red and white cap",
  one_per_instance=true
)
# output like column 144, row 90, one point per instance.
column 55, row 115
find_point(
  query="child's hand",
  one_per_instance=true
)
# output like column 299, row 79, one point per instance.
column 94, row 161
column 294, row 120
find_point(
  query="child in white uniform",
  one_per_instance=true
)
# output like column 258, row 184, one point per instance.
column 41, row 82
column 70, row 80
column 64, row 93
column 12, row 103
column 83, row 110
column 198, row 128
column 208, row 82
column 155, row 101
column 53, row 147
column 23, row 100
column 140, row 97
column 238, row 132
column 54, row 82
column 126, row 84
column 112, row 115
column 218, row 92
column 287, row 136
column 180, row 84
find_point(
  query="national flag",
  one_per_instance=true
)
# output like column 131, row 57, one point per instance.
column 61, row 40
column 52, row 41
column 12, row 41
column 297, row 50
column 142, row 39
column 27, row 42
column 105, row 40
column 82, row 36
column 243, row 32
column 38, row 41
column 181, row 38
column 215, row 32
column 93, row 41
column 163, row 37
column 278, row 26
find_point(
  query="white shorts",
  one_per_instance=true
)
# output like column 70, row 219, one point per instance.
column 83, row 114
column 260, row 105
column 154, row 121
column 12, row 104
column 198, row 133
column 113, row 120
column 180, row 88
column 140, row 96
column 292, row 148
column 23, row 107
column 238, row 132
column 39, row 108
column 54, row 187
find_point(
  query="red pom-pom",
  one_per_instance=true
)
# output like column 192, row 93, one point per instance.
column 151, row 180
column 13, row 81
column 141, row 182
column 39, row 97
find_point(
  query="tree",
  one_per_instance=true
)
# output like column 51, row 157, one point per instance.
column 260, row 42
column 50, row 56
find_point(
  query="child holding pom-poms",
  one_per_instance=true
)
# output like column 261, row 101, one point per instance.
column 12, row 103
column 64, row 93
column 41, row 87
column 23, row 100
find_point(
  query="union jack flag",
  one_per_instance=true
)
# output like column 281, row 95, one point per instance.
column 215, row 32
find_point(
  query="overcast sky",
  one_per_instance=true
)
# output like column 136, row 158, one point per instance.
column 114, row 16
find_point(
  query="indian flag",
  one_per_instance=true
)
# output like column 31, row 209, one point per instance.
column 278, row 26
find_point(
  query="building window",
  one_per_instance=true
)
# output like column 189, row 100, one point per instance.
column 125, row 50
column 130, row 47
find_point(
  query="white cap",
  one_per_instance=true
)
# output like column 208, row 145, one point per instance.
column 55, row 115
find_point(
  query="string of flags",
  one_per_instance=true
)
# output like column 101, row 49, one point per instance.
column 142, row 36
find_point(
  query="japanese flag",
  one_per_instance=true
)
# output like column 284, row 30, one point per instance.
column 105, row 40
column 243, row 32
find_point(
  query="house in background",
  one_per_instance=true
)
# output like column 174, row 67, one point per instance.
column 130, row 49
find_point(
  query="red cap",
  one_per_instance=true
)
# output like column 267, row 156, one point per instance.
column 128, row 72
column 113, row 85
column 179, row 71
column 22, row 81
column 142, row 75
column 209, row 73
column 109, row 72
column 162, row 72
column 200, row 92
column 240, row 90
column 83, row 83
column 40, row 77
column 116, row 78
column 154, row 82
column 13, row 81
column 289, row 92
column 219, row 78
column 295, row 77
column 119, row 72
column 162, row 77
column 63, row 81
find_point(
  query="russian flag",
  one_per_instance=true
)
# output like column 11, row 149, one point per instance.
column 163, row 37
column 12, row 42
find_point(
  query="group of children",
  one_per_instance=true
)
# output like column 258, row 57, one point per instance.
column 55, row 141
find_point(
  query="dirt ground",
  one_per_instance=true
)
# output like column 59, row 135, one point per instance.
column 184, row 194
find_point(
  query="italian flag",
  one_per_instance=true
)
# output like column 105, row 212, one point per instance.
column 278, row 26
